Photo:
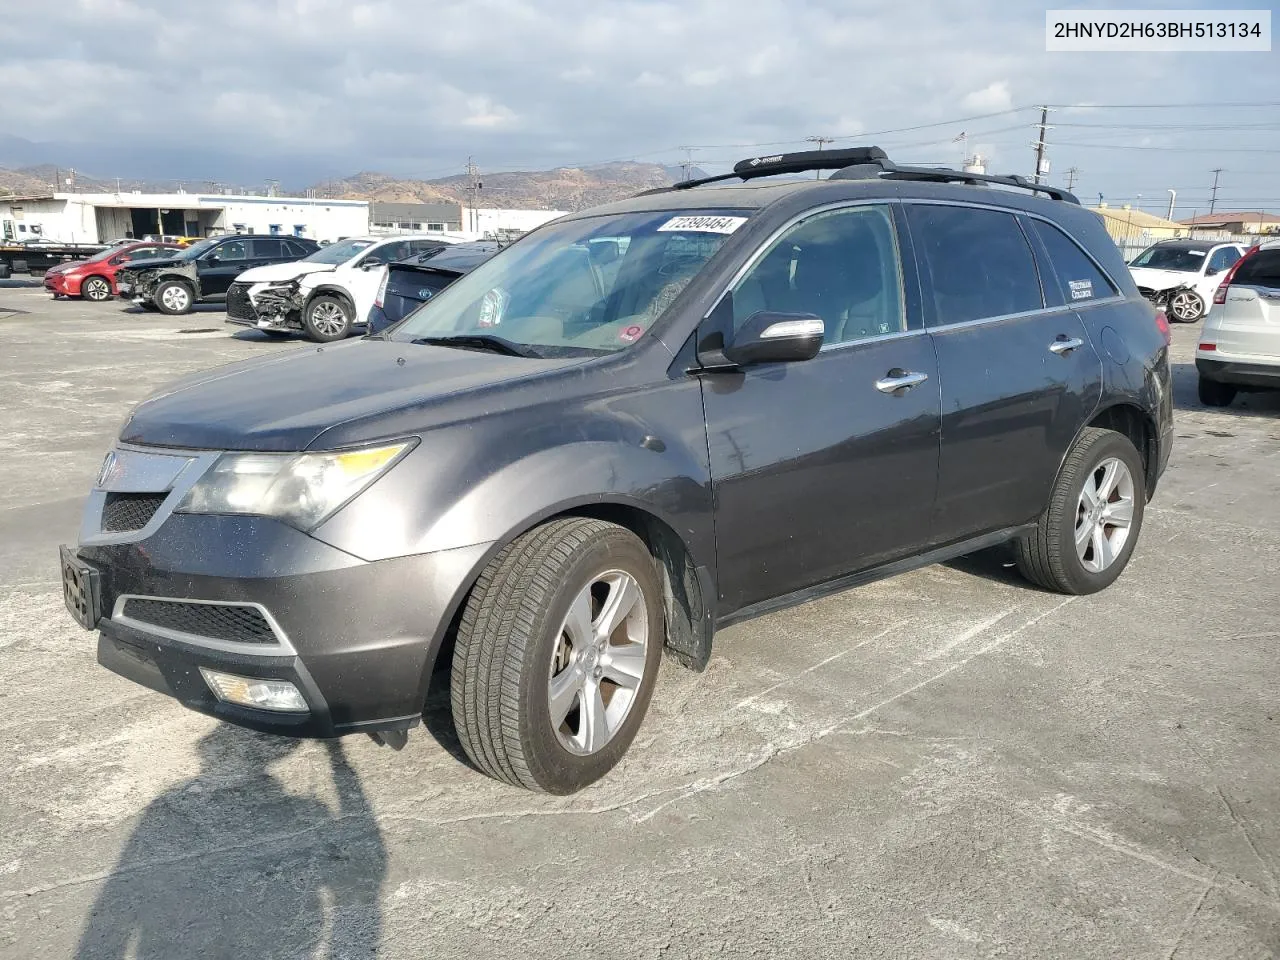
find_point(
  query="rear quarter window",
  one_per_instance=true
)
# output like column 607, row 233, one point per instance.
column 1260, row 270
column 1073, row 279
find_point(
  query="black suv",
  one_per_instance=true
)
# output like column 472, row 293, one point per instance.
column 203, row 272
column 634, row 426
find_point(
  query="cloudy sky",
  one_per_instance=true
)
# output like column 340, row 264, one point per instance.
column 300, row 90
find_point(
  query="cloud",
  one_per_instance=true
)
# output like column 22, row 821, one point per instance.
column 308, row 88
column 991, row 98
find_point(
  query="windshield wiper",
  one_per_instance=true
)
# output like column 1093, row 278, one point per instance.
column 479, row 341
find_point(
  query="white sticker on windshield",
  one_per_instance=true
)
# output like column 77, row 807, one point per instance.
column 704, row 224
column 1196, row 253
column 1081, row 289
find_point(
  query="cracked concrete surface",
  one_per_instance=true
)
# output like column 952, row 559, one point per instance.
column 946, row 764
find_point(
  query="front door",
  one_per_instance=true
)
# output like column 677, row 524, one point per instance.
column 221, row 265
column 1019, row 374
column 826, row 466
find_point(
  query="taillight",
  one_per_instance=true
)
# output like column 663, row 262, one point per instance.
column 1208, row 347
column 382, row 288
column 1162, row 324
column 1220, row 295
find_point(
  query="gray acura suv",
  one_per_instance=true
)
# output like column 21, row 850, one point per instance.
column 634, row 426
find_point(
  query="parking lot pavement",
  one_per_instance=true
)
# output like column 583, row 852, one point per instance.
column 947, row 764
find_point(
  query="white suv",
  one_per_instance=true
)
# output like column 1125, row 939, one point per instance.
column 327, row 294
column 1240, row 344
column 1185, row 272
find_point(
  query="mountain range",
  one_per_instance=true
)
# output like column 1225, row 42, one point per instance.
column 562, row 188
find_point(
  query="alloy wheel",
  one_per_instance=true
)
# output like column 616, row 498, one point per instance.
column 175, row 298
column 1186, row 306
column 95, row 288
column 327, row 317
column 1104, row 515
column 598, row 662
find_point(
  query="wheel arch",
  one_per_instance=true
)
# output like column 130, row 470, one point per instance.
column 687, row 587
column 1130, row 420
column 332, row 290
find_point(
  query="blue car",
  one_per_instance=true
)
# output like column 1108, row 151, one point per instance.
column 407, row 284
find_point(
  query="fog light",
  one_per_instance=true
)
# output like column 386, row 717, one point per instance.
column 252, row 692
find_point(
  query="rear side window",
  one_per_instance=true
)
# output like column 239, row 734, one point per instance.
column 1222, row 259
column 978, row 261
column 295, row 250
column 1260, row 270
column 263, row 247
column 1078, row 280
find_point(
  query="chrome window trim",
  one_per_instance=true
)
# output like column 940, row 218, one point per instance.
column 282, row 646
column 878, row 338
column 1043, row 311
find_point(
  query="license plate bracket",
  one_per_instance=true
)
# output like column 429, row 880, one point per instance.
column 81, row 588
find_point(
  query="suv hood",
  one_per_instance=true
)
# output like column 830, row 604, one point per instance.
column 278, row 272
column 1163, row 279
column 286, row 401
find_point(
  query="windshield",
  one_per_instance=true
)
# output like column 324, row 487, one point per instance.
column 1183, row 259
column 337, row 253
column 591, row 286
column 103, row 255
column 193, row 252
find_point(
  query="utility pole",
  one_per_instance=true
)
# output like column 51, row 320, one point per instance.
column 1071, row 177
column 1039, row 144
column 688, row 162
column 473, row 188
column 271, row 187
column 821, row 142
column 1214, row 200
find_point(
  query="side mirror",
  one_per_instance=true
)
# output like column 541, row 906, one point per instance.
column 1212, row 272
column 212, row 258
column 768, row 337
column 122, row 258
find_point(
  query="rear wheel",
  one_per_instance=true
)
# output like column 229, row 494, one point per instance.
column 173, row 297
column 1186, row 306
column 557, row 655
column 327, row 318
column 1089, row 528
column 1214, row 393
column 95, row 288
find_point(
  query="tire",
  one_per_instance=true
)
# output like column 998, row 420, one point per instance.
column 173, row 297
column 1214, row 393
column 1052, row 556
column 513, row 641
column 95, row 288
column 1186, row 307
column 327, row 318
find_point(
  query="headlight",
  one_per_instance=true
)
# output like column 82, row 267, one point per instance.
column 298, row 488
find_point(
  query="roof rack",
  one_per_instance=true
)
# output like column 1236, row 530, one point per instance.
column 861, row 163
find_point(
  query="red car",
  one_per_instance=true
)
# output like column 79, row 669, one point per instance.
column 95, row 278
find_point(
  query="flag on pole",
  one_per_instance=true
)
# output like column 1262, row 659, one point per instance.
column 961, row 137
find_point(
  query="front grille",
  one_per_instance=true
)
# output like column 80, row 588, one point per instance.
column 232, row 622
column 239, row 306
column 123, row 512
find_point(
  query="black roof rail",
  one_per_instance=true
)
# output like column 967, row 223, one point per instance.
column 802, row 162
column 860, row 163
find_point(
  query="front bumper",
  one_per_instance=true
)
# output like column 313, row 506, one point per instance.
column 358, row 639
column 1240, row 373
column 56, row 284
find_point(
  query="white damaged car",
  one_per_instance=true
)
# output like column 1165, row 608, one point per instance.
column 1182, row 275
column 327, row 294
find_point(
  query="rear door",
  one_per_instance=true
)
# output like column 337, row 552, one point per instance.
column 1018, row 378
column 824, row 467
column 1247, row 324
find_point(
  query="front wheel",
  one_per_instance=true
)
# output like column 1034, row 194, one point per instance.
column 557, row 655
column 327, row 318
column 96, row 289
column 1186, row 306
column 1086, row 535
column 173, row 297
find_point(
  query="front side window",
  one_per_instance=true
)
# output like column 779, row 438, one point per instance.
column 389, row 252
column 1180, row 259
column 1077, row 278
column 978, row 261
column 841, row 266
column 231, row 250
column 553, row 293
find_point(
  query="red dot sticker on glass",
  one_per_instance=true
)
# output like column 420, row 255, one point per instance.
column 631, row 334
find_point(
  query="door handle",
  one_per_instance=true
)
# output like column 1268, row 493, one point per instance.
column 1064, row 345
column 898, row 381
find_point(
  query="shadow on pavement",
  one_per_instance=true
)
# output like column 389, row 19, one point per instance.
column 231, row 864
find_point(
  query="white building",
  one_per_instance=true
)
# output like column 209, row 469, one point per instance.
column 100, row 217
column 492, row 224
